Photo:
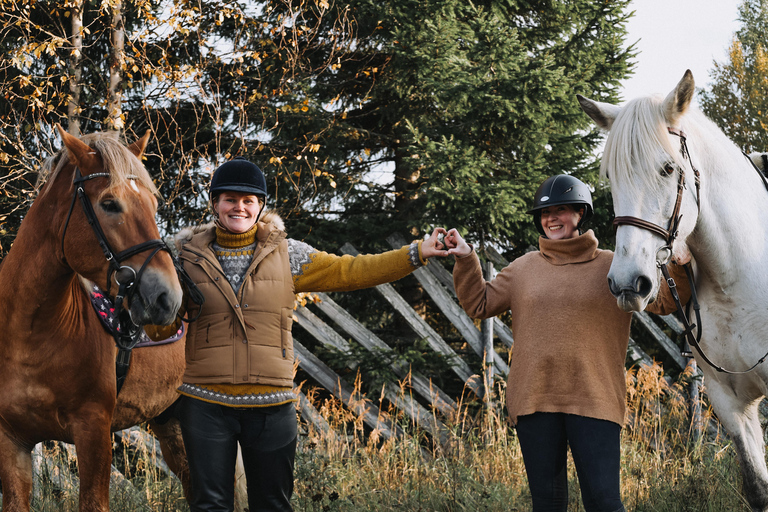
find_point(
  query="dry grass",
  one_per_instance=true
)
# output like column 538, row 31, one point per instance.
column 665, row 467
column 478, row 467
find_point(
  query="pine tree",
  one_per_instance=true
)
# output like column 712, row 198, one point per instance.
column 737, row 99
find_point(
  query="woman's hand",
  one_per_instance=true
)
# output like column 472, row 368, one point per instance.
column 434, row 246
column 456, row 244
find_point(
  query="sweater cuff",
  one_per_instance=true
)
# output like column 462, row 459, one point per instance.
column 414, row 254
column 471, row 251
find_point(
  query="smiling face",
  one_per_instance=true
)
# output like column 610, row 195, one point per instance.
column 561, row 221
column 237, row 211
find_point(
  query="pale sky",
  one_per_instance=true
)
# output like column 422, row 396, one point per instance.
column 675, row 35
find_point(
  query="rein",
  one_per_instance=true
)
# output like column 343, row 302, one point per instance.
column 127, row 334
column 664, row 254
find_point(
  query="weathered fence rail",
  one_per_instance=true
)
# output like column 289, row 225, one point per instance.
column 424, row 403
column 437, row 282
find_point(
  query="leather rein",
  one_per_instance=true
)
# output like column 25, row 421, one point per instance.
column 664, row 254
column 127, row 334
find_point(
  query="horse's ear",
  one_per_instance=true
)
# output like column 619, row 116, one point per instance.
column 80, row 153
column 678, row 101
column 603, row 114
column 138, row 147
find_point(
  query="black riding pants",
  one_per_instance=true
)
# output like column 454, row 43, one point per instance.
column 596, row 450
column 267, row 438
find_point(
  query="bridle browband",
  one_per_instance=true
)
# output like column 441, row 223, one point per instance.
column 664, row 254
column 127, row 335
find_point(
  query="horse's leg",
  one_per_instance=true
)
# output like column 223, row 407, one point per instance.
column 172, row 447
column 93, row 442
column 15, row 473
column 739, row 415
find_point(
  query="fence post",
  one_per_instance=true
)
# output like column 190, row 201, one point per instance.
column 486, row 329
column 695, row 402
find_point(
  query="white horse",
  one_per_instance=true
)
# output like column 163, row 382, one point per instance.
column 724, row 226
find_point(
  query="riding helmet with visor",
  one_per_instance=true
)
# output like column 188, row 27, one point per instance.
column 238, row 175
column 561, row 189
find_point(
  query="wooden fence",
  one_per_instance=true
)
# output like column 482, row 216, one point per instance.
column 426, row 397
column 437, row 282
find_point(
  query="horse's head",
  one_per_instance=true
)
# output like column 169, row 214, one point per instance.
column 646, row 163
column 106, row 224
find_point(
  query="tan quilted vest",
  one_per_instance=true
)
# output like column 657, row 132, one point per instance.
column 244, row 338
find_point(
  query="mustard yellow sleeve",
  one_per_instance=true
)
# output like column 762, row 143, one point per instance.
column 319, row 271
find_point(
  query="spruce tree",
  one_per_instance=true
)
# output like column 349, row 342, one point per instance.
column 451, row 113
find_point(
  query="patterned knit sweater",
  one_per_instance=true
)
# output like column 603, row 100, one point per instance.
column 234, row 253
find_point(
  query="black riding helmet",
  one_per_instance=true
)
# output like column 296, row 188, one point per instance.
column 561, row 189
column 238, row 175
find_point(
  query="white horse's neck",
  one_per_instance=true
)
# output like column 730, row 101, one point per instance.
column 731, row 237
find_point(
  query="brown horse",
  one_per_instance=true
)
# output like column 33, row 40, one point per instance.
column 58, row 363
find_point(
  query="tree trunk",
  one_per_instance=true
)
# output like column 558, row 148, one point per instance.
column 115, row 98
column 406, row 188
column 75, row 68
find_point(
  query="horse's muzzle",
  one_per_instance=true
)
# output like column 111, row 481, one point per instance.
column 632, row 298
column 157, row 302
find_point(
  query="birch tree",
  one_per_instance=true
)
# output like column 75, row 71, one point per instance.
column 737, row 99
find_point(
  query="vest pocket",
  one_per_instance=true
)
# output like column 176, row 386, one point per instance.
column 216, row 330
column 286, row 324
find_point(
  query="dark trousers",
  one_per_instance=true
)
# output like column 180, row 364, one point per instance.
column 267, row 437
column 595, row 447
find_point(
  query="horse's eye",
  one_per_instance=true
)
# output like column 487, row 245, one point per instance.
column 667, row 169
column 111, row 206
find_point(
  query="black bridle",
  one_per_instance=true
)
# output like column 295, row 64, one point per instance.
column 127, row 335
column 664, row 254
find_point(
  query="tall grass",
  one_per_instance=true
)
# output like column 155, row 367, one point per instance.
column 665, row 467
column 478, row 467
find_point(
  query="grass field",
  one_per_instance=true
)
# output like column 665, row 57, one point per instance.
column 478, row 468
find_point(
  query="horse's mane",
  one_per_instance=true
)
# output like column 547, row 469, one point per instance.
column 633, row 144
column 121, row 164
column 632, row 155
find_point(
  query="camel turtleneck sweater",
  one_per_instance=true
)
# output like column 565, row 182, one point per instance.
column 570, row 336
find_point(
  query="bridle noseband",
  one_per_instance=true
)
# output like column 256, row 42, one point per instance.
column 664, row 255
column 127, row 334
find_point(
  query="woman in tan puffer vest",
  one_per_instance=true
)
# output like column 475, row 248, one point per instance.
column 238, row 384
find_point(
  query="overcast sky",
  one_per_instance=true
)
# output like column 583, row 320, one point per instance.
column 675, row 35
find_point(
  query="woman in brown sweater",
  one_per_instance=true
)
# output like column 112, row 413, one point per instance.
column 566, row 383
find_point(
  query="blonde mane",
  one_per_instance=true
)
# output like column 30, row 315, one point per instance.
column 631, row 154
column 123, row 167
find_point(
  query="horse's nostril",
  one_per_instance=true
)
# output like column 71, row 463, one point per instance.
column 643, row 286
column 612, row 287
column 163, row 301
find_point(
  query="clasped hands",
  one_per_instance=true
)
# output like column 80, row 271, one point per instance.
column 445, row 243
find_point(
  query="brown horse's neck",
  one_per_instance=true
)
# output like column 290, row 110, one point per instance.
column 34, row 280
